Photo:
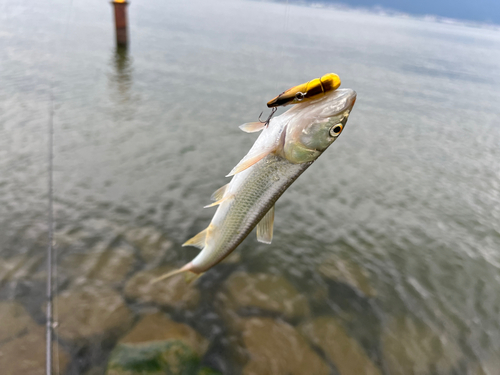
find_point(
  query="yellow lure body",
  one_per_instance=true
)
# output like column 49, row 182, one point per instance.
column 307, row 91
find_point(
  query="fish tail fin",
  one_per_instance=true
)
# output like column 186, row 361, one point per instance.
column 192, row 277
column 185, row 268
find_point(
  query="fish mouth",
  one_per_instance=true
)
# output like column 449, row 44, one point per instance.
column 339, row 101
column 332, row 104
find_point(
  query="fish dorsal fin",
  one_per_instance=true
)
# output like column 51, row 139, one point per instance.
column 250, row 160
column 265, row 227
column 219, row 193
column 252, row 127
column 198, row 240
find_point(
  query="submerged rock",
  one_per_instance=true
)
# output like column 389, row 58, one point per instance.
column 105, row 264
column 152, row 244
column 19, row 267
column 14, row 320
column 341, row 349
column 96, row 370
column 158, row 327
column 84, row 232
column 271, row 293
column 233, row 258
column 91, row 309
column 348, row 272
column 490, row 366
column 155, row 358
column 172, row 292
column 74, row 239
column 160, row 346
column 411, row 347
column 276, row 348
column 26, row 355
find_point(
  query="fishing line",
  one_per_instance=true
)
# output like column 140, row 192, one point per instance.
column 51, row 251
column 285, row 26
column 282, row 48
column 287, row 14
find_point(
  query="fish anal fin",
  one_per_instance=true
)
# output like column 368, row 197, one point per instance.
column 198, row 240
column 219, row 193
column 265, row 227
column 248, row 162
column 252, row 127
column 219, row 201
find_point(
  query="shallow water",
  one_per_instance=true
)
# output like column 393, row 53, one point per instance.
column 408, row 197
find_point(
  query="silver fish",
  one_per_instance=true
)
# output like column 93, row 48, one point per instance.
column 285, row 148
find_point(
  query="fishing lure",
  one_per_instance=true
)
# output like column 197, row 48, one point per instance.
column 305, row 92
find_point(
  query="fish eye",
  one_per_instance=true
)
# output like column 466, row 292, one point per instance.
column 299, row 96
column 336, row 130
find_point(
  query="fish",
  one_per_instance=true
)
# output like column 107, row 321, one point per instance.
column 281, row 153
column 301, row 93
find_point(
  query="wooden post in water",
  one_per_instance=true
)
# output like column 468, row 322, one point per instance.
column 120, row 8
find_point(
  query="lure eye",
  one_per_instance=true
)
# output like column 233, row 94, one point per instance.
column 336, row 130
column 299, row 96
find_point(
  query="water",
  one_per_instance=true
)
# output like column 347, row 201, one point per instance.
column 410, row 193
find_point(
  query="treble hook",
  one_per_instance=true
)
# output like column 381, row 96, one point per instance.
column 273, row 111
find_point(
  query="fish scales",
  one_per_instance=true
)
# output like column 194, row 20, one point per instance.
column 235, row 219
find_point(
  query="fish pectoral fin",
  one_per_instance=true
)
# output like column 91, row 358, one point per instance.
column 219, row 193
column 198, row 240
column 252, row 127
column 250, row 160
column 219, row 201
column 265, row 227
